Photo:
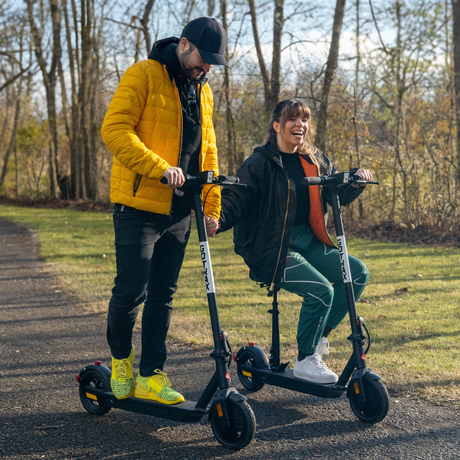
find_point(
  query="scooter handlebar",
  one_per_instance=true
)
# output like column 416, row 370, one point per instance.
column 207, row 177
column 338, row 179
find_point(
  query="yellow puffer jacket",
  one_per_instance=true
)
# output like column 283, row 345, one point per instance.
column 143, row 130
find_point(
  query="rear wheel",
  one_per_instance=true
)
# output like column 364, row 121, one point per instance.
column 247, row 378
column 375, row 408
column 98, row 380
column 242, row 425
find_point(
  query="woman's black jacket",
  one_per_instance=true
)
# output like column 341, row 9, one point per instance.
column 263, row 212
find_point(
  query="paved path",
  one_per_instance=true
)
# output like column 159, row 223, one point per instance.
column 45, row 340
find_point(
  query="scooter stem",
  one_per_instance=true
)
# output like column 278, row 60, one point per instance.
column 358, row 352
column 219, row 354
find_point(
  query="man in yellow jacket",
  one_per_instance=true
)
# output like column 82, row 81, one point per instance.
column 158, row 125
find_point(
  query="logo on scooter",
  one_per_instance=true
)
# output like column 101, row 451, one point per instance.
column 207, row 267
column 344, row 262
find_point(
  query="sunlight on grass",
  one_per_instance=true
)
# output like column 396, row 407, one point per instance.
column 411, row 305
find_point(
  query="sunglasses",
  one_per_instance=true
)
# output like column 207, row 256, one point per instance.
column 191, row 98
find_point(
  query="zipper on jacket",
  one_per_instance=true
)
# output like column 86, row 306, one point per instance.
column 137, row 182
column 272, row 285
column 181, row 135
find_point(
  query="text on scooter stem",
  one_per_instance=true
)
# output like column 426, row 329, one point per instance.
column 344, row 262
column 207, row 268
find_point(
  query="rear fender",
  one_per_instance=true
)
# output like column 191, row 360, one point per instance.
column 259, row 355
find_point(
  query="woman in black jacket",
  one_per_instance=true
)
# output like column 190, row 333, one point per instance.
column 280, row 231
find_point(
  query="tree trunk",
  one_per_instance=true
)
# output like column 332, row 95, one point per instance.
column 88, row 186
column 145, row 25
column 16, row 173
column 332, row 61
column 5, row 121
column 263, row 69
column 456, row 52
column 355, row 115
column 49, row 78
column 275, row 83
column 12, row 144
column 211, row 6
column 74, row 125
column 228, row 110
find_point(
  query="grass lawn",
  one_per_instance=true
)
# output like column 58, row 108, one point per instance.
column 411, row 305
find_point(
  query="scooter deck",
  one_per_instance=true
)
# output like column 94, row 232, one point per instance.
column 287, row 380
column 183, row 412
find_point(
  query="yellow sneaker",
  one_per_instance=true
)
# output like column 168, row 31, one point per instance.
column 122, row 381
column 158, row 388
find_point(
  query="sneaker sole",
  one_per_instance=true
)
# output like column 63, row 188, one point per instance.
column 312, row 379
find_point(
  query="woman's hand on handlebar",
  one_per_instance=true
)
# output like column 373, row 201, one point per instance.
column 364, row 174
column 174, row 176
column 211, row 226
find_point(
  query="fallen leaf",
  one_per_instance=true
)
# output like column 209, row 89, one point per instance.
column 418, row 275
column 363, row 301
column 397, row 263
column 404, row 289
column 382, row 316
column 424, row 300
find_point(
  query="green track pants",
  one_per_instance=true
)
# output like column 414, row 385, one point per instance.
column 313, row 271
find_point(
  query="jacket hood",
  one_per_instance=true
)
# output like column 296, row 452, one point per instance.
column 158, row 49
column 270, row 150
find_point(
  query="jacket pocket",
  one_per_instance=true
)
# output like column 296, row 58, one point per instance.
column 137, row 183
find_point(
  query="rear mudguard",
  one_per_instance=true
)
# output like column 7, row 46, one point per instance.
column 259, row 356
column 105, row 372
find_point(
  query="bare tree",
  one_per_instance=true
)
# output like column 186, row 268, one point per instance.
column 332, row 61
column 271, row 83
column 456, row 53
column 49, row 77
column 145, row 25
column 12, row 143
column 229, row 126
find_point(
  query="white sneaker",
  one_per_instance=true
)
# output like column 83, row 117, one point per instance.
column 313, row 369
column 323, row 347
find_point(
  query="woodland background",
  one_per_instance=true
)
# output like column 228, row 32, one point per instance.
column 382, row 78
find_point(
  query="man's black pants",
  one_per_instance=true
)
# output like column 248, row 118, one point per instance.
column 150, row 250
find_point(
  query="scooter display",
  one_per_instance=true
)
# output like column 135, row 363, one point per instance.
column 367, row 395
column 232, row 419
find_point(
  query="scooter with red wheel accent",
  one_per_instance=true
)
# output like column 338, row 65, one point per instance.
column 232, row 419
column 367, row 395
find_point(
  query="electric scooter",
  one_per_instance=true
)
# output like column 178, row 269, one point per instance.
column 232, row 419
column 367, row 395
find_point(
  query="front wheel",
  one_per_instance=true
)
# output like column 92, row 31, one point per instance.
column 375, row 408
column 242, row 425
column 96, row 379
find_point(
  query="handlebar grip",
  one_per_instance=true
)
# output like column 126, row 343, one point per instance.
column 312, row 181
column 163, row 180
column 229, row 179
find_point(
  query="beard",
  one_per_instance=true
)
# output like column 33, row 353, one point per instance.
column 190, row 71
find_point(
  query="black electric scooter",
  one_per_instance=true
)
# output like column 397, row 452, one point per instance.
column 367, row 395
column 232, row 420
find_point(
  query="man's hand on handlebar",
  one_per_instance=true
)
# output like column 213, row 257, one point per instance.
column 364, row 174
column 211, row 226
column 174, row 176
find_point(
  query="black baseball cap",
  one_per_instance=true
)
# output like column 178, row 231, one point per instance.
column 209, row 37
